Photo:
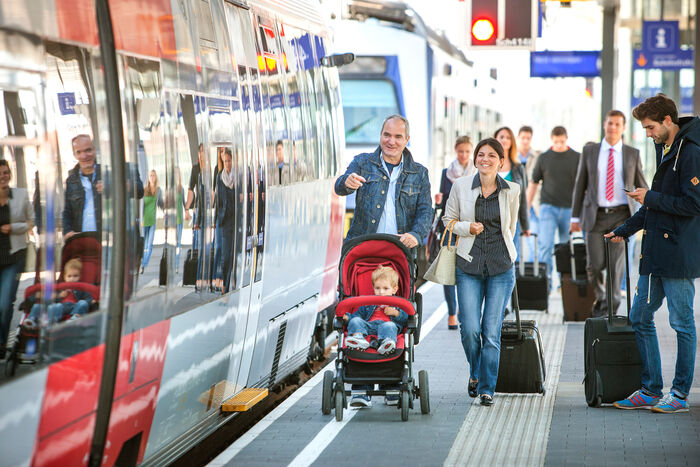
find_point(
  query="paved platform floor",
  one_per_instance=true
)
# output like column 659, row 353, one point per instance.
column 555, row 429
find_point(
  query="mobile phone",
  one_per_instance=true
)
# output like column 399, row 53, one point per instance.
column 627, row 191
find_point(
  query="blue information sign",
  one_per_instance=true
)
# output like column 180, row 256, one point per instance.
column 660, row 36
column 66, row 103
column 562, row 64
column 667, row 61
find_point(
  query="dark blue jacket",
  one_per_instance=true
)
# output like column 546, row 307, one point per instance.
column 414, row 212
column 670, row 215
column 74, row 201
column 225, row 204
column 365, row 312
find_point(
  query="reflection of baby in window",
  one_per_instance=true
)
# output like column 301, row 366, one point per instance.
column 73, row 303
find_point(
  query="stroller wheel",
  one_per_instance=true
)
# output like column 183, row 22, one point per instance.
column 423, row 391
column 327, row 397
column 404, row 405
column 339, row 406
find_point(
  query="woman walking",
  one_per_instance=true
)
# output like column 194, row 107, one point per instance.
column 225, row 220
column 152, row 198
column 462, row 166
column 486, row 209
column 15, row 222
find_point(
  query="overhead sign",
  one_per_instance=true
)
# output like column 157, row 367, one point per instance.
column 563, row 64
column 503, row 24
column 686, row 103
column 66, row 103
column 666, row 61
column 660, row 36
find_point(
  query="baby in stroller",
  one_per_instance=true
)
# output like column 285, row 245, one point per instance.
column 378, row 320
column 69, row 303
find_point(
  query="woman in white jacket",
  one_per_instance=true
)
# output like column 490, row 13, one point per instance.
column 15, row 221
column 486, row 209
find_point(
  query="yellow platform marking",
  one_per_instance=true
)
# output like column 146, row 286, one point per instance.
column 244, row 400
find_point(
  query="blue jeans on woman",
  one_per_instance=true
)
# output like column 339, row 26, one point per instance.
column 226, row 255
column 178, row 249
column 480, row 327
column 148, row 233
column 9, row 280
column 552, row 219
column 679, row 294
column 218, row 248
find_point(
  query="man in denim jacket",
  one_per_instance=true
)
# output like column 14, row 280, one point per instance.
column 393, row 191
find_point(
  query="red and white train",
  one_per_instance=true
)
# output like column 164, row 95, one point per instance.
column 142, row 378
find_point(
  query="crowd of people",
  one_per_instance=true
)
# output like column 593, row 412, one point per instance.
column 488, row 196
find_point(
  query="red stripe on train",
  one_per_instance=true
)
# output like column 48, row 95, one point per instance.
column 69, row 406
column 335, row 243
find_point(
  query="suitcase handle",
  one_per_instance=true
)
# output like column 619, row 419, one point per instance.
column 608, row 288
column 521, row 261
column 571, row 256
column 516, row 309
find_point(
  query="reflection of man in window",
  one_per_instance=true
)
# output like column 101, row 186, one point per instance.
column 192, row 195
column 82, row 208
column 282, row 168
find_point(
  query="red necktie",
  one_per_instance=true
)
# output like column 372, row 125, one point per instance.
column 610, row 178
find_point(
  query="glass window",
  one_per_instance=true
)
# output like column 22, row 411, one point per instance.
column 365, row 105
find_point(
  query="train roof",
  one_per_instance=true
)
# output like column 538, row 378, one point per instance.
column 403, row 16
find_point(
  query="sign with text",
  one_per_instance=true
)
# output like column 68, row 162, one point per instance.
column 561, row 64
column 677, row 60
column 660, row 36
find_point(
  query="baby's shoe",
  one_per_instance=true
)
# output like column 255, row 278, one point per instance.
column 357, row 341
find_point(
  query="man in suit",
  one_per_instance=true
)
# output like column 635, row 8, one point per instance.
column 600, row 205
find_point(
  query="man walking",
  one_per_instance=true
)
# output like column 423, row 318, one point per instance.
column 605, row 170
column 556, row 170
column 393, row 197
column 670, row 259
column 528, row 158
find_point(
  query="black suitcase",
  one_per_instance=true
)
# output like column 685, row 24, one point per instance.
column 189, row 272
column 531, row 278
column 613, row 366
column 163, row 273
column 566, row 254
column 576, row 292
column 521, row 368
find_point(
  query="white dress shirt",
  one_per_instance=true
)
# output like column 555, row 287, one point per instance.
column 619, row 197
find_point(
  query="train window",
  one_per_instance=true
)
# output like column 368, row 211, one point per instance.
column 365, row 105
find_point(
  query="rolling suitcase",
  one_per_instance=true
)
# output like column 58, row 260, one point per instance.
column 570, row 253
column 531, row 278
column 576, row 292
column 613, row 366
column 189, row 272
column 521, row 367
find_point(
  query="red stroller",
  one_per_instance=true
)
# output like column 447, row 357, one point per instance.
column 85, row 246
column 360, row 257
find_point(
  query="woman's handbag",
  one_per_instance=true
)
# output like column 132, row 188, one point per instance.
column 442, row 270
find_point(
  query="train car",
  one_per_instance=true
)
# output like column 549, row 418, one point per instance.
column 171, row 89
column 402, row 66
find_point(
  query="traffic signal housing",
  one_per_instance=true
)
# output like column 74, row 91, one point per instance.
column 484, row 22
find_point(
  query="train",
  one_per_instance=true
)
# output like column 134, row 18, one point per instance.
column 167, row 87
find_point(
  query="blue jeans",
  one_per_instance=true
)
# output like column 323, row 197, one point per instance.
column 679, row 295
column 226, row 255
column 56, row 311
column 480, row 328
column 178, row 239
column 450, row 292
column 218, row 244
column 552, row 219
column 148, row 233
column 9, row 280
column 381, row 329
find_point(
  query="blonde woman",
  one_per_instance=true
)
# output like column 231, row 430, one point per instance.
column 152, row 198
column 485, row 207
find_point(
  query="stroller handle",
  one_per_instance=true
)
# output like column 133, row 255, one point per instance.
column 348, row 304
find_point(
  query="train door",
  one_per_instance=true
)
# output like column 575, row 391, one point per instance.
column 246, row 54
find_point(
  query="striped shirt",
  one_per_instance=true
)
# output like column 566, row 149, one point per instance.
column 489, row 253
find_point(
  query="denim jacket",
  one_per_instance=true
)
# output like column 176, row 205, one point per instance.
column 414, row 211
column 74, row 201
column 365, row 312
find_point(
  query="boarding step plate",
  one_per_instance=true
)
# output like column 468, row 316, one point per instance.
column 244, row 400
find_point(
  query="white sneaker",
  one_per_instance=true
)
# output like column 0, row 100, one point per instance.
column 361, row 401
column 387, row 346
column 357, row 341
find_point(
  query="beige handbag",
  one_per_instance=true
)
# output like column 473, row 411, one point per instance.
column 442, row 270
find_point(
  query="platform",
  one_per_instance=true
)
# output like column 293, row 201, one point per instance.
column 555, row 429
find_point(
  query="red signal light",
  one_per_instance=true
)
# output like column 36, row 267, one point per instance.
column 482, row 29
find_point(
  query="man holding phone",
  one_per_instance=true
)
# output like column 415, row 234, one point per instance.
column 605, row 172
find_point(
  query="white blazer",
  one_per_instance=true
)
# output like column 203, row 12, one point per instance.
column 461, row 204
column 21, row 217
